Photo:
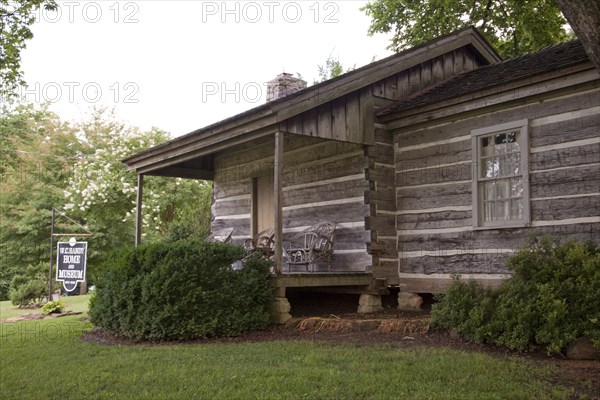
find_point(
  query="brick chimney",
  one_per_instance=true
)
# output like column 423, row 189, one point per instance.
column 285, row 84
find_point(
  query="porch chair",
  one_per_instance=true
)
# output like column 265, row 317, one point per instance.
column 263, row 242
column 312, row 246
column 222, row 236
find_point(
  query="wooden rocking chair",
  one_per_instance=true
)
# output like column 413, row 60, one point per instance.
column 263, row 242
column 312, row 246
column 222, row 236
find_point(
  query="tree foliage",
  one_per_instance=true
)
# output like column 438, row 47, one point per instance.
column 102, row 191
column 37, row 151
column 332, row 69
column 513, row 27
column 16, row 17
column 47, row 163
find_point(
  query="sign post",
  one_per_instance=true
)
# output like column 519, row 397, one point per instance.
column 70, row 263
column 51, row 255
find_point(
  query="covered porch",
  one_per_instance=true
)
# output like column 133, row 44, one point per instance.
column 286, row 183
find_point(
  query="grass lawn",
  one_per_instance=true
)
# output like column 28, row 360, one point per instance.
column 71, row 303
column 47, row 359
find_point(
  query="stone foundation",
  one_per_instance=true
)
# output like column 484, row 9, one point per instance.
column 369, row 303
column 280, row 310
column 409, row 301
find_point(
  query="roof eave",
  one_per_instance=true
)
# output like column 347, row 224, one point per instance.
column 324, row 92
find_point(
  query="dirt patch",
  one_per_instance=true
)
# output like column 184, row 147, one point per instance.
column 24, row 317
column 338, row 324
column 29, row 317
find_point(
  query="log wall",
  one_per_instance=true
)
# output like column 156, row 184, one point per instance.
column 434, row 173
column 322, row 180
column 381, row 174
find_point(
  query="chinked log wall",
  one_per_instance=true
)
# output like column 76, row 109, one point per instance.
column 434, row 173
column 322, row 181
column 381, row 173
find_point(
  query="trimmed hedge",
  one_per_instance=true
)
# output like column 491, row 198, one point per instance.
column 182, row 290
column 552, row 298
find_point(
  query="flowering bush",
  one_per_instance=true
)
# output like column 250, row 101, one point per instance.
column 102, row 191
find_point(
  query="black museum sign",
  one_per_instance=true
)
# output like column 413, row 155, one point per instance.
column 70, row 263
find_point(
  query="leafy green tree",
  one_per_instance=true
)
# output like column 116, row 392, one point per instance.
column 513, row 27
column 332, row 69
column 16, row 16
column 38, row 151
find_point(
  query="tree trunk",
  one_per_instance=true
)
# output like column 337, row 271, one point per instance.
column 584, row 18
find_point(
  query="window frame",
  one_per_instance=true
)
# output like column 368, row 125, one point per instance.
column 522, row 126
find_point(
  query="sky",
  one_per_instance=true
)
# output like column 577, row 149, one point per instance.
column 181, row 65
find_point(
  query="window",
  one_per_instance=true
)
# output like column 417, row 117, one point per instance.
column 500, row 181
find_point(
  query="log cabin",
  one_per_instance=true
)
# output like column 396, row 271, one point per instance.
column 439, row 160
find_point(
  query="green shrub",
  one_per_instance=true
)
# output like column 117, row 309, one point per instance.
column 29, row 287
column 182, row 290
column 552, row 298
column 53, row 307
column 31, row 292
column 4, row 287
column 466, row 308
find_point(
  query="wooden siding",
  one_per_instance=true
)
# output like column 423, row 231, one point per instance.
column 322, row 180
column 434, row 170
column 428, row 73
column 348, row 118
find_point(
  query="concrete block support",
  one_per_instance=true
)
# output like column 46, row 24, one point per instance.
column 409, row 301
column 369, row 303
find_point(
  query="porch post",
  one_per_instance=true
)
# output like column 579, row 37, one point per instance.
column 278, row 198
column 138, row 210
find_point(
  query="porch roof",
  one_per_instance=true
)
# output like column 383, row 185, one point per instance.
column 190, row 156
